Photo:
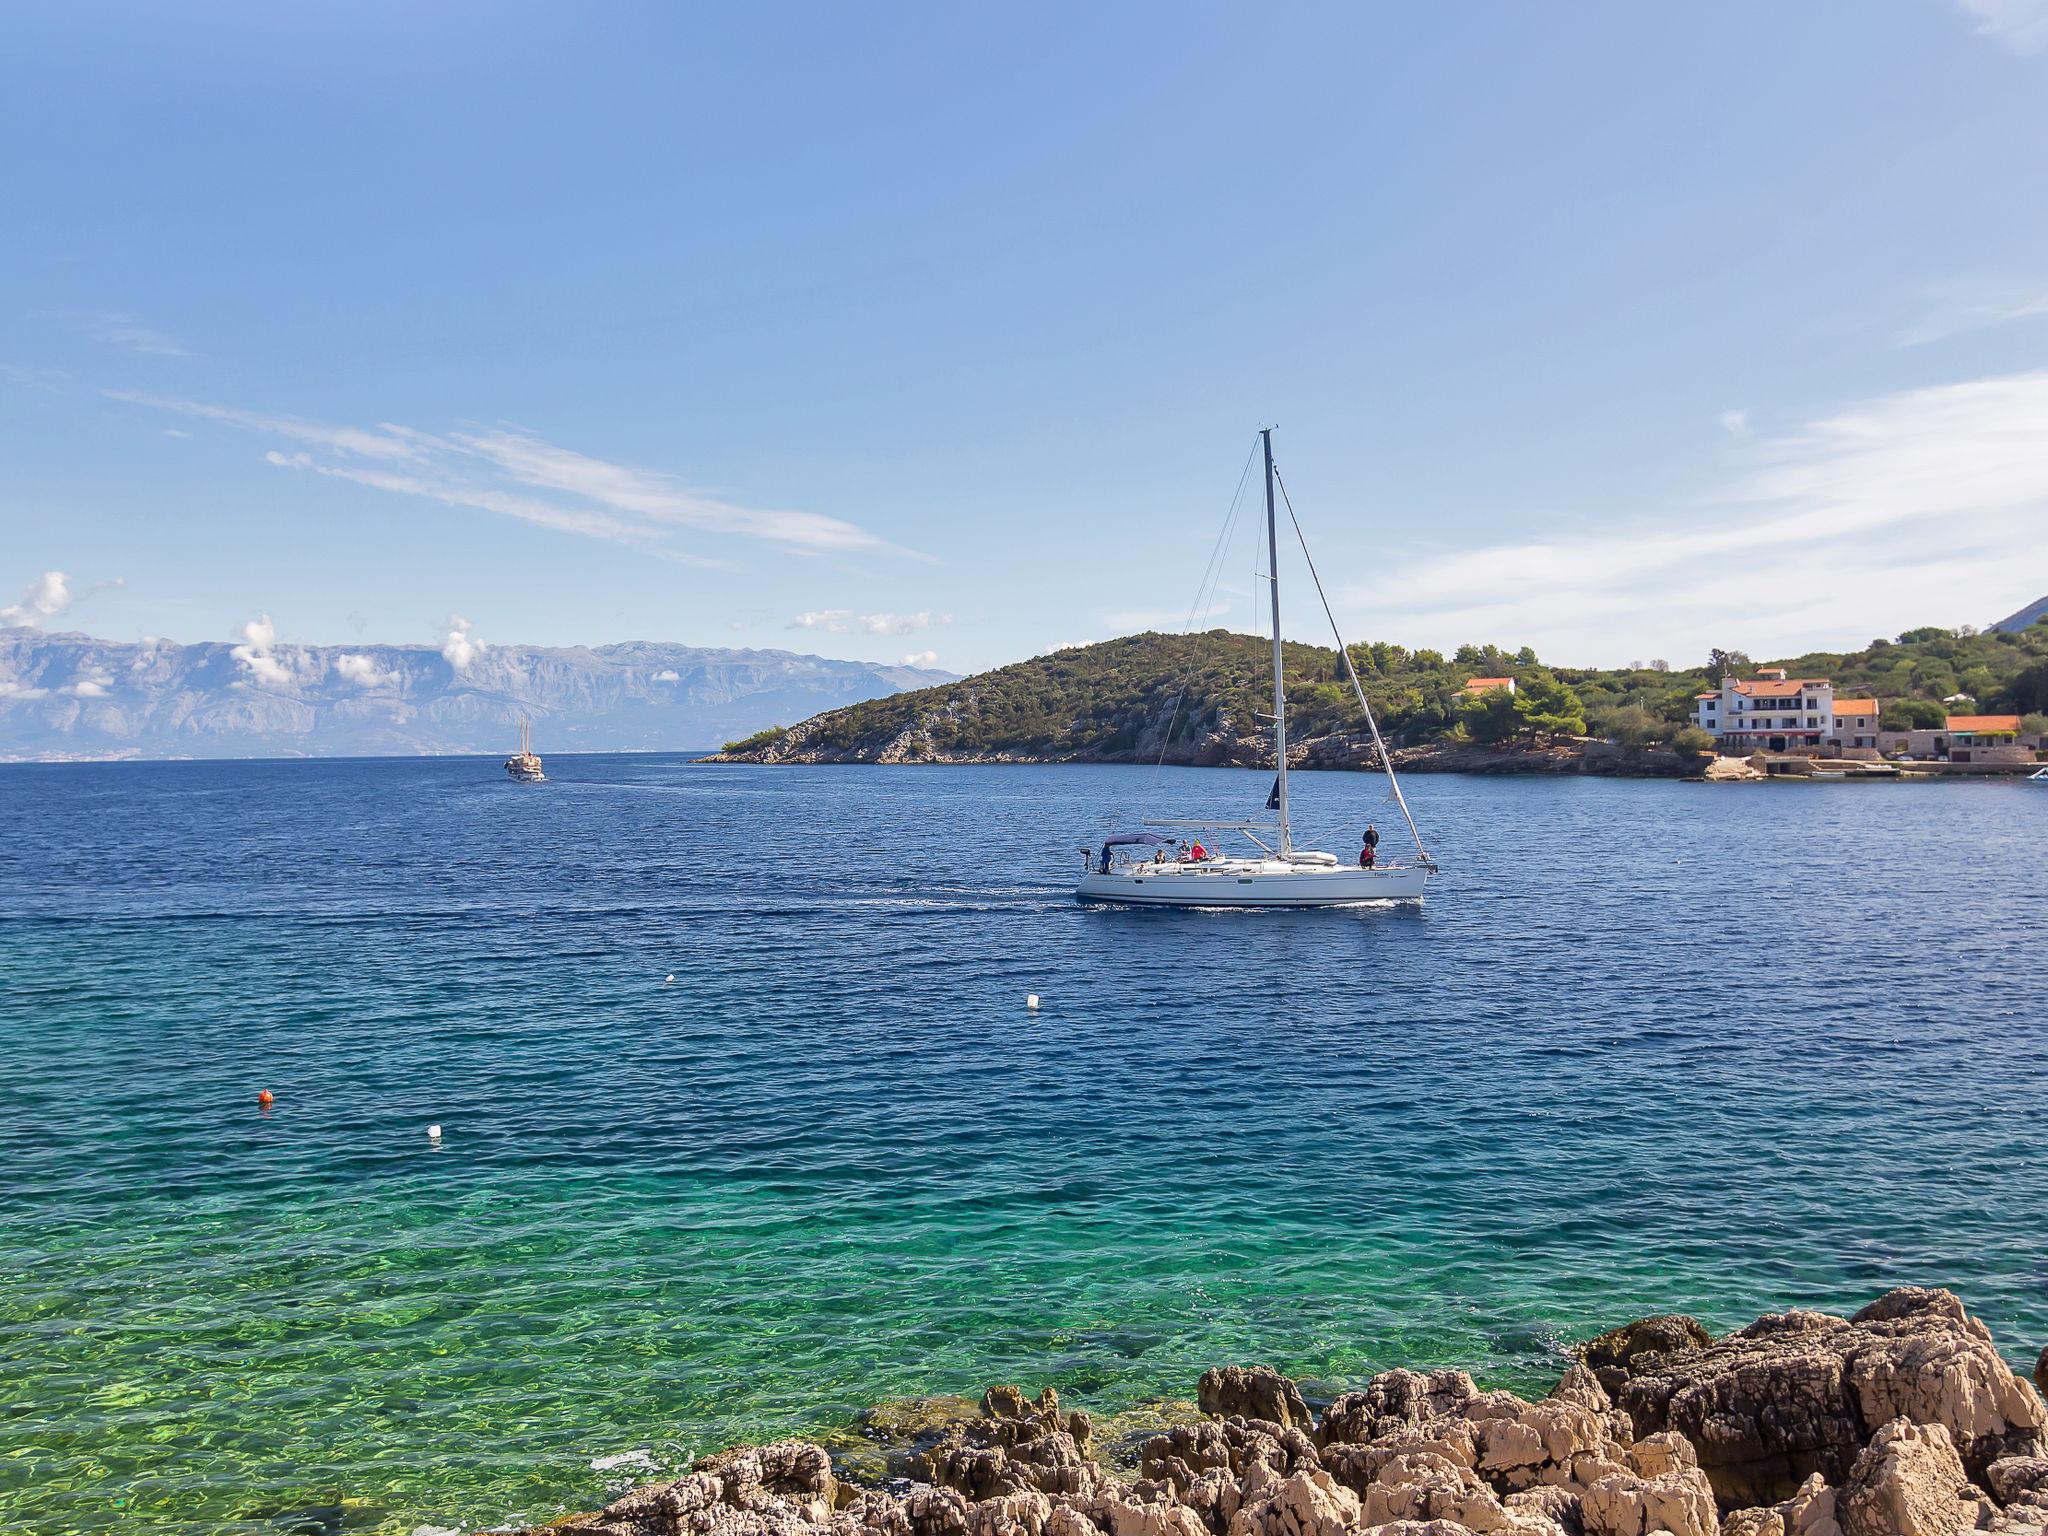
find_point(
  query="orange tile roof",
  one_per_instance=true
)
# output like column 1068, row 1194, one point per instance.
column 1762, row 689
column 1489, row 682
column 1984, row 722
column 1855, row 706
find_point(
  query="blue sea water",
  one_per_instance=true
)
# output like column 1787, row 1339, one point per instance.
column 1647, row 1046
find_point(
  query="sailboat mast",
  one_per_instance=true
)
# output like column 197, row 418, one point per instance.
column 1279, row 683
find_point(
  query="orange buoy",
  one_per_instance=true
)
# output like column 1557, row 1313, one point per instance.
column 263, row 1098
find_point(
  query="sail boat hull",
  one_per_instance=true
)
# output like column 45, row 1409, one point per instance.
column 1251, row 883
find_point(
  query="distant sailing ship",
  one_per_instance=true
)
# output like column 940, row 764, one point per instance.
column 523, row 765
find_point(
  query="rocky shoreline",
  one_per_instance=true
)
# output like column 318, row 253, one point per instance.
column 1902, row 1420
column 1577, row 755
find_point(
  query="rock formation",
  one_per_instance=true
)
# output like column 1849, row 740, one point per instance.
column 1801, row 1392
column 1900, row 1421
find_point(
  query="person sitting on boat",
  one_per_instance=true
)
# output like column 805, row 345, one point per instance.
column 1158, row 855
column 1368, row 853
column 1197, row 853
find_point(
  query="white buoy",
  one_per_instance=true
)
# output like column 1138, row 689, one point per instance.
column 1031, row 1001
column 433, row 1133
column 669, row 980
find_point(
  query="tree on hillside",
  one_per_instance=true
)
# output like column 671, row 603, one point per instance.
column 1548, row 706
column 1540, row 706
column 2029, row 690
column 1720, row 663
column 1490, row 716
column 1913, row 715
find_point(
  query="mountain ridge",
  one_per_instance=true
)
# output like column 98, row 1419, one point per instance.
column 70, row 695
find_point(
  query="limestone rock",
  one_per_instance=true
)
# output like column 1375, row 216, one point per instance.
column 1801, row 1392
column 1908, row 1481
column 1607, row 1356
column 1809, row 1512
column 1014, row 1447
column 2013, row 1478
column 1306, row 1504
column 1253, row 1392
column 1393, row 1401
column 796, row 1470
column 1680, row 1502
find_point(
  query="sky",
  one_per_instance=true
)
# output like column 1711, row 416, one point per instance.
column 941, row 334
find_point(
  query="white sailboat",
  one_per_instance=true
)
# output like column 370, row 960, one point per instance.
column 1133, row 868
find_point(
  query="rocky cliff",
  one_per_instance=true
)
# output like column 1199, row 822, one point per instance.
column 71, row 696
column 1900, row 1421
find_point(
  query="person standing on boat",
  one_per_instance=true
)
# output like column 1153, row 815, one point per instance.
column 1370, row 851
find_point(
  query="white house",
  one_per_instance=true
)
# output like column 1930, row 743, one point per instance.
column 1772, row 712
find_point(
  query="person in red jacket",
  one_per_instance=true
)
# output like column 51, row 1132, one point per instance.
column 1197, row 853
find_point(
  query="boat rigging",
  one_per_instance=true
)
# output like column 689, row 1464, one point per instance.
column 1279, row 875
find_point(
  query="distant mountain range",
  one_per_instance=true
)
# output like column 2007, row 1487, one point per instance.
column 72, row 696
column 2026, row 618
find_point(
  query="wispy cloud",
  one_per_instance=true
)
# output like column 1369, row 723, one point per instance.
column 383, row 442
column 1909, row 506
column 842, row 621
column 518, row 474
column 1976, row 306
column 2018, row 25
column 1735, row 423
column 110, row 328
column 921, row 659
column 49, row 380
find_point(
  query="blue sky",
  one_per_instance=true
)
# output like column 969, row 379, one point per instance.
column 894, row 331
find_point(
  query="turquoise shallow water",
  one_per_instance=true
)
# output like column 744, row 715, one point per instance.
column 1648, row 1046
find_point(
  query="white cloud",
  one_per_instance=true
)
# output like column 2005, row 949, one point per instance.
column 460, row 647
column 10, row 689
column 668, row 675
column 88, row 688
column 363, row 670
column 840, row 621
column 518, row 474
column 1906, row 509
column 921, row 659
column 1735, row 423
column 2018, row 25
column 257, row 653
column 44, row 598
column 1976, row 306
column 113, row 329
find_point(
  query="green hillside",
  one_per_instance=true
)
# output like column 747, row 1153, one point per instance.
column 1138, row 695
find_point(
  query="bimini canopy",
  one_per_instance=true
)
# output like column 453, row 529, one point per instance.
column 1125, row 840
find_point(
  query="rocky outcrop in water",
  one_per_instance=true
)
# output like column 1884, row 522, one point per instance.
column 1900, row 1421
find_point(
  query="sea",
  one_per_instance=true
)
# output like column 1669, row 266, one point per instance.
column 745, row 1124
